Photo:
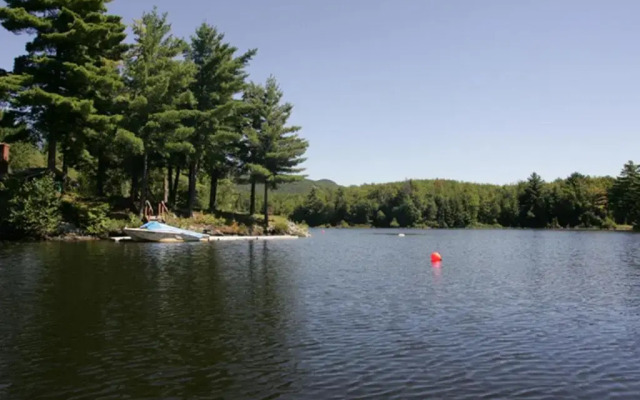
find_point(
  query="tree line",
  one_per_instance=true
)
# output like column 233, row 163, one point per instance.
column 134, row 120
column 179, row 120
column 577, row 201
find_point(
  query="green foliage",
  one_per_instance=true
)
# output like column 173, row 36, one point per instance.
column 69, row 71
column 273, row 151
column 163, row 119
column 94, row 218
column 90, row 217
column 294, row 188
column 31, row 208
column 280, row 227
column 313, row 211
column 25, row 155
column 220, row 75
column 158, row 95
column 138, row 120
column 624, row 195
column 533, row 204
column 576, row 202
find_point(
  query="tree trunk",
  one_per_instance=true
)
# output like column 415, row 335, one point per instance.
column 252, row 202
column 135, row 184
column 174, row 190
column 100, row 176
column 193, row 171
column 145, row 183
column 51, row 158
column 266, row 206
column 65, row 171
column 133, row 193
column 165, row 187
column 169, row 183
column 213, row 193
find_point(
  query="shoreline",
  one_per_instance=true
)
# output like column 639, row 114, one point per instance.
column 118, row 239
column 74, row 237
column 624, row 228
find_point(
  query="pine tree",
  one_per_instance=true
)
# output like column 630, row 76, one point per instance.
column 159, row 99
column 340, row 208
column 253, row 99
column 624, row 196
column 278, row 149
column 69, row 68
column 220, row 76
column 533, row 208
column 10, row 129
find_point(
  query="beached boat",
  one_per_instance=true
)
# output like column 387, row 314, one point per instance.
column 158, row 232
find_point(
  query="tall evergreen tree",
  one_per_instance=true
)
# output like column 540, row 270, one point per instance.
column 159, row 99
column 624, row 196
column 253, row 112
column 10, row 130
column 69, row 68
column 279, row 149
column 220, row 76
column 340, row 208
column 533, row 207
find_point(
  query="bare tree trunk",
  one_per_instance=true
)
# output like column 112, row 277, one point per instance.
column 65, row 171
column 169, row 183
column 51, row 157
column 145, row 183
column 266, row 206
column 193, row 171
column 213, row 193
column 135, row 183
column 174, row 191
column 252, row 201
column 100, row 176
column 165, row 187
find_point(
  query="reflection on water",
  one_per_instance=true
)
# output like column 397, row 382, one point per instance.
column 526, row 314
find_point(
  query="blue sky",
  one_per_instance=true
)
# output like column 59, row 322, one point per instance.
column 482, row 91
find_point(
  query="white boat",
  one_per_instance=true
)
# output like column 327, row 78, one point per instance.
column 157, row 232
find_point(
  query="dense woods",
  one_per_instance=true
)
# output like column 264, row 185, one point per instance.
column 577, row 201
column 132, row 122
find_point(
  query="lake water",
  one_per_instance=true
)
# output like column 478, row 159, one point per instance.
column 344, row 314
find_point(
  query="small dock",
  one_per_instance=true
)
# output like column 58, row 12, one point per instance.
column 229, row 238
column 119, row 239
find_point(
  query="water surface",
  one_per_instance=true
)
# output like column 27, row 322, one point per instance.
column 344, row 314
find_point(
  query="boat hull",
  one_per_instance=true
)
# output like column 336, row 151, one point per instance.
column 145, row 235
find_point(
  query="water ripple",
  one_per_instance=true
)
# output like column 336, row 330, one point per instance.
column 346, row 314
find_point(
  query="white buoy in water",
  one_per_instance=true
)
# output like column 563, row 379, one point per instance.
column 401, row 234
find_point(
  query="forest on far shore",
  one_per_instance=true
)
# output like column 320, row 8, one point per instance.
column 577, row 201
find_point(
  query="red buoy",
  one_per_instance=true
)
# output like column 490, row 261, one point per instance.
column 436, row 257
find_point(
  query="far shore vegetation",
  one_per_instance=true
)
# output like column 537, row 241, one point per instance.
column 98, row 129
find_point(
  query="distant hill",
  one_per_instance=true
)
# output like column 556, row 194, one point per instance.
column 301, row 187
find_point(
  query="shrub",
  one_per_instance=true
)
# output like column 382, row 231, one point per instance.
column 115, row 226
column 608, row 223
column 32, row 207
column 93, row 217
column 207, row 219
column 280, row 227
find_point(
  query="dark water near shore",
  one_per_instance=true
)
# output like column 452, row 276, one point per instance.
column 344, row 314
